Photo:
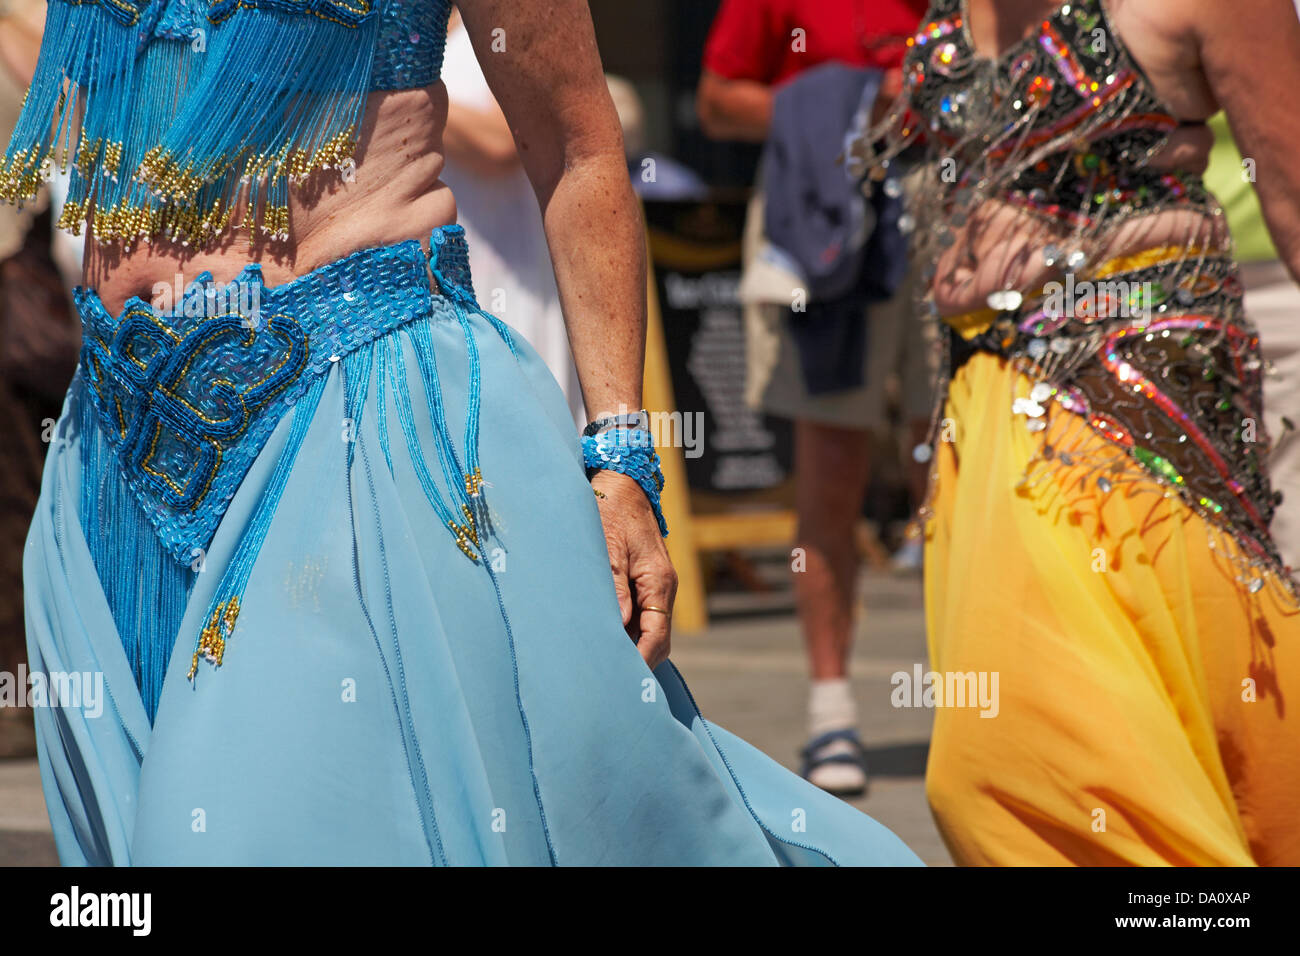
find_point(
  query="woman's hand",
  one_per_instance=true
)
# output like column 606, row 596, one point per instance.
column 643, row 575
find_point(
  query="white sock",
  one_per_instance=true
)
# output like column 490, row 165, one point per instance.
column 831, row 706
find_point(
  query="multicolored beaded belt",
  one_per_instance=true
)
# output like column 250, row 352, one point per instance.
column 1159, row 360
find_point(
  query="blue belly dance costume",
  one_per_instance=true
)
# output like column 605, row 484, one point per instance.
column 330, row 543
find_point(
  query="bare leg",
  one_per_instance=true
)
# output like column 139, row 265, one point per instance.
column 832, row 466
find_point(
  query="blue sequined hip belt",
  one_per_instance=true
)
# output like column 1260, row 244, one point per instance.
column 180, row 401
column 186, row 397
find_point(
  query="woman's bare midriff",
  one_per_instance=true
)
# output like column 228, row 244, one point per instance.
column 393, row 194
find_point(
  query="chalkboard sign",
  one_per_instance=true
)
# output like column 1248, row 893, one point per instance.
column 729, row 448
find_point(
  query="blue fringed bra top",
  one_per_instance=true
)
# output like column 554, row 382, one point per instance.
column 171, row 115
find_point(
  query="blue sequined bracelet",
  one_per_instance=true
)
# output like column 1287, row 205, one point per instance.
column 631, row 452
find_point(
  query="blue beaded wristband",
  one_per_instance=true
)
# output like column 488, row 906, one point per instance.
column 631, row 452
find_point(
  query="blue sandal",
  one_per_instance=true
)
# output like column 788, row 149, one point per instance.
column 856, row 758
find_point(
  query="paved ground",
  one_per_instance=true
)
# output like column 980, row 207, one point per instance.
column 747, row 673
column 24, row 828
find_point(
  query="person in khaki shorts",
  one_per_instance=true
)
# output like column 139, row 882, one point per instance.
column 750, row 54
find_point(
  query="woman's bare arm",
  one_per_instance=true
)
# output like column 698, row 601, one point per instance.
column 1250, row 52
column 541, row 62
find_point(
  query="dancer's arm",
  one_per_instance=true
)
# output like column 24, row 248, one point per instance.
column 1251, row 58
column 540, row 60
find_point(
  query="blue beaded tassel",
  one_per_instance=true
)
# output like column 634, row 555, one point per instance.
column 224, row 610
column 87, row 69
column 449, row 264
column 147, row 590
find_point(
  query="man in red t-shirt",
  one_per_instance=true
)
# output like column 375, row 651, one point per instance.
column 756, row 45
column 753, row 48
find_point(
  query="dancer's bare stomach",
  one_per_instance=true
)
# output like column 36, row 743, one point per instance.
column 394, row 194
column 1001, row 246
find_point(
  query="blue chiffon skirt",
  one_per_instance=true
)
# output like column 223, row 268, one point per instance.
column 382, row 697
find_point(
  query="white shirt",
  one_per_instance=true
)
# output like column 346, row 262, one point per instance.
column 508, row 256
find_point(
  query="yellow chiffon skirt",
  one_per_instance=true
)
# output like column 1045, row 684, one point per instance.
column 1148, row 704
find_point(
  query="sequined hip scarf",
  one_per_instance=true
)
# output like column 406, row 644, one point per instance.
column 1155, row 354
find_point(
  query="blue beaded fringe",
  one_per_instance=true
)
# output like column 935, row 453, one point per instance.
column 175, row 116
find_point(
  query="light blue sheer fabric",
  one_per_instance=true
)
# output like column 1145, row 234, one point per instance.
column 383, row 699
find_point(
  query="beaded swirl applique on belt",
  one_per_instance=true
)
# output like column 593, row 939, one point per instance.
column 187, row 398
